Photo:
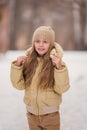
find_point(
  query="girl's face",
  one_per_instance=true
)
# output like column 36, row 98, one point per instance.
column 41, row 46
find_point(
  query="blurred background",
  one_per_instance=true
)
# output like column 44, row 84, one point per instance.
column 18, row 20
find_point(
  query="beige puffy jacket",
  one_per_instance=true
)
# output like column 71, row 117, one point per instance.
column 38, row 101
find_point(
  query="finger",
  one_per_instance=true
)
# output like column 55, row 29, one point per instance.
column 23, row 58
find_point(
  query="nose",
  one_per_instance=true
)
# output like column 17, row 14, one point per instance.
column 41, row 43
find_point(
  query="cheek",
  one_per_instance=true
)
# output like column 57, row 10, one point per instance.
column 47, row 47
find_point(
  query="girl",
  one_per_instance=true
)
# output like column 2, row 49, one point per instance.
column 44, row 77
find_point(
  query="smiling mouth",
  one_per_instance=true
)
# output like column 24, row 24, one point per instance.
column 40, row 49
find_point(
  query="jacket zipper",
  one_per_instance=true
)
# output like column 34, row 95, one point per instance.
column 37, row 102
column 38, row 106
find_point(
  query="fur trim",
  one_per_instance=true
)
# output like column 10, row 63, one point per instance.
column 29, row 50
column 58, row 51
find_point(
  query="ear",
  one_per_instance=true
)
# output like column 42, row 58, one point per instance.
column 57, row 50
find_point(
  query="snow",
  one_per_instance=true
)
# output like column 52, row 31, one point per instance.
column 74, row 103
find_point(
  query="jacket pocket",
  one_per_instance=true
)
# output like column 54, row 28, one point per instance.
column 52, row 98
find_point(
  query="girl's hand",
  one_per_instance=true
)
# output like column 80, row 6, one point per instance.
column 21, row 60
column 56, row 61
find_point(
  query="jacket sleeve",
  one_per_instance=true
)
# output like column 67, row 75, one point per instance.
column 16, row 76
column 61, row 80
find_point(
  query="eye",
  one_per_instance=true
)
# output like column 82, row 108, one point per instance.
column 37, row 41
column 45, row 42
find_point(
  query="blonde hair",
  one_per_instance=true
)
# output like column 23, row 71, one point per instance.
column 46, row 77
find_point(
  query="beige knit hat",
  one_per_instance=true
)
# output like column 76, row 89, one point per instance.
column 45, row 33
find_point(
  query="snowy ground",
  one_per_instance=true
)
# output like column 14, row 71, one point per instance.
column 73, row 108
